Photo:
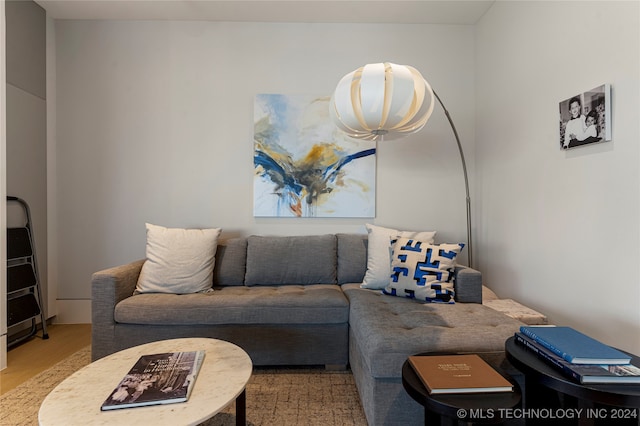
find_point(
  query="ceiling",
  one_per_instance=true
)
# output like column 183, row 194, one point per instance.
column 327, row 11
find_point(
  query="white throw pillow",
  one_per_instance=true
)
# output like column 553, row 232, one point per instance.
column 179, row 260
column 423, row 271
column 379, row 253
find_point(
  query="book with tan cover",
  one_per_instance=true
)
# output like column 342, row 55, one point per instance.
column 443, row 374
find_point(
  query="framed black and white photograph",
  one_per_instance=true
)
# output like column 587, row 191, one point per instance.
column 586, row 118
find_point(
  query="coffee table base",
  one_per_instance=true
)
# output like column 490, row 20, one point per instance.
column 241, row 409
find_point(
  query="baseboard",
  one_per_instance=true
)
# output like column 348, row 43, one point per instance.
column 77, row 311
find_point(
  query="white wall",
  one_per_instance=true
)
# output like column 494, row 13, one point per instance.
column 155, row 123
column 52, row 212
column 556, row 229
column 24, row 111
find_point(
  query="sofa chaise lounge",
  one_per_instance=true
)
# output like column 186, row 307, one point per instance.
column 298, row 301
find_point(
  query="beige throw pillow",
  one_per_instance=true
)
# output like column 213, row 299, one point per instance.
column 379, row 253
column 179, row 261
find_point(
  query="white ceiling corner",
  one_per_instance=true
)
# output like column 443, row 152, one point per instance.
column 328, row 11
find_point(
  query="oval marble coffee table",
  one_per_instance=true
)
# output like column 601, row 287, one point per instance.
column 222, row 379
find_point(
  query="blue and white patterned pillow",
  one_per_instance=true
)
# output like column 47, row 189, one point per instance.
column 422, row 271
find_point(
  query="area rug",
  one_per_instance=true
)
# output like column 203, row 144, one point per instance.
column 282, row 396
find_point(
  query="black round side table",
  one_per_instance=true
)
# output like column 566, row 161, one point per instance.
column 474, row 408
column 605, row 404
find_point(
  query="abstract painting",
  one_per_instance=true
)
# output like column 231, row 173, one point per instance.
column 304, row 166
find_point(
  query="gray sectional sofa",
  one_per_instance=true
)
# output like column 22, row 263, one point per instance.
column 298, row 301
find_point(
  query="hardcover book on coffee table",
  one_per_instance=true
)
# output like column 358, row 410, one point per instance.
column 584, row 373
column 448, row 374
column 575, row 347
column 164, row 378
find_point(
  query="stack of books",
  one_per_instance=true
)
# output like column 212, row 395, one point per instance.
column 579, row 356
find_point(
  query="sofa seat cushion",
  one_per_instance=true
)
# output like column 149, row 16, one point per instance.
column 388, row 329
column 294, row 304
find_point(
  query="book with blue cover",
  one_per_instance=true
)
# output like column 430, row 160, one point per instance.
column 574, row 346
column 583, row 373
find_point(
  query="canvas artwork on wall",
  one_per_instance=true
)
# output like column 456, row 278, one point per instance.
column 304, row 166
column 586, row 118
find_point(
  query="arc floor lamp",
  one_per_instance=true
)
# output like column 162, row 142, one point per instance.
column 388, row 101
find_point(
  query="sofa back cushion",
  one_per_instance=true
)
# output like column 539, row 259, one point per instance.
column 231, row 261
column 352, row 257
column 308, row 259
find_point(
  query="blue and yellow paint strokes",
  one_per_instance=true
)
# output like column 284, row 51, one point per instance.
column 304, row 167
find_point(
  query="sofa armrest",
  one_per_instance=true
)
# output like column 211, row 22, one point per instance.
column 468, row 285
column 108, row 287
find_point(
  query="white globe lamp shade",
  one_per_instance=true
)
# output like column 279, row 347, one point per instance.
column 382, row 99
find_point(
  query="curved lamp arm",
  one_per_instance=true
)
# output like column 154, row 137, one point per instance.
column 466, row 179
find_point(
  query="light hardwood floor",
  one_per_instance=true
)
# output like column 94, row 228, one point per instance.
column 27, row 359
